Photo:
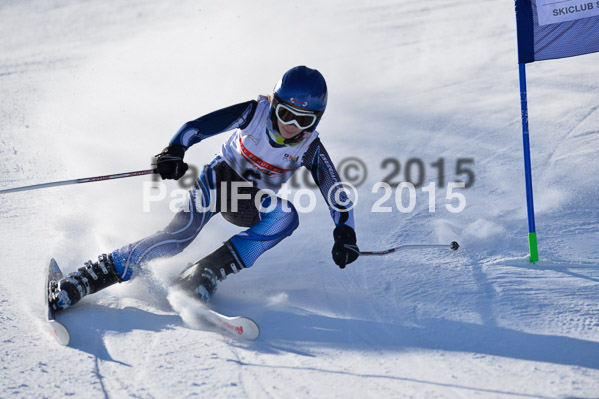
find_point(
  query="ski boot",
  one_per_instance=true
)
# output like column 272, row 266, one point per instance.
column 201, row 277
column 86, row 280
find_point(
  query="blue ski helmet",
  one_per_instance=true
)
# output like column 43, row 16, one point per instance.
column 303, row 88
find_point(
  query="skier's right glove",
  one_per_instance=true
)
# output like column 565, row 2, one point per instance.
column 169, row 162
column 345, row 250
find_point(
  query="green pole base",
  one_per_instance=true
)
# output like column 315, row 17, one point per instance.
column 532, row 243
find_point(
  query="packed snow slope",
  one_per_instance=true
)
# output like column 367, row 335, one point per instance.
column 98, row 87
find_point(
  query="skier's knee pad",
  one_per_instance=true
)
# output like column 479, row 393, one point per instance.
column 277, row 221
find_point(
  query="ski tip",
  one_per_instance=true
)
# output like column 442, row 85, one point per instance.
column 54, row 266
column 252, row 330
column 60, row 333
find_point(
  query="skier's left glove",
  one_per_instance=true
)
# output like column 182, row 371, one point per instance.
column 345, row 250
column 169, row 162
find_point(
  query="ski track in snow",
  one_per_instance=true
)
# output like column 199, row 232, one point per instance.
column 99, row 87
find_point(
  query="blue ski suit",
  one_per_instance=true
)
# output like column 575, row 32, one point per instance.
column 253, row 158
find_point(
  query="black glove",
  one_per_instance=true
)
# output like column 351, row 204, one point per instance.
column 345, row 250
column 169, row 162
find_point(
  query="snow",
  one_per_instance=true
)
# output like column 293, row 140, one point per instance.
column 98, row 87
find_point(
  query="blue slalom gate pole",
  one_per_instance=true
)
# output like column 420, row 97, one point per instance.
column 532, row 234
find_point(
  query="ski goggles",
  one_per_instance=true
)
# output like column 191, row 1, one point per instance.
column 290, row 116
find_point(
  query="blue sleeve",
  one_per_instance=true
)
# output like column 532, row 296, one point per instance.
column 323, row 171
column 223, row 120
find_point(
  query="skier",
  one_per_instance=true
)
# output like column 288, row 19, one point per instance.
column 273, row 136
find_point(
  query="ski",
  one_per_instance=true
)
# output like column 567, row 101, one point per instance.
column 196, row 313
column 240, row 326
column 56, row 328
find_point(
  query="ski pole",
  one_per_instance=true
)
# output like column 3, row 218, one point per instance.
column 79, row 181
column 453, row 246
